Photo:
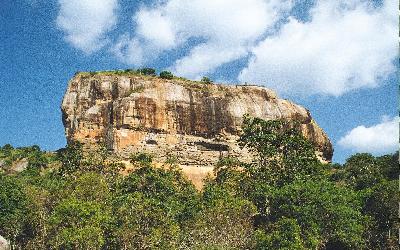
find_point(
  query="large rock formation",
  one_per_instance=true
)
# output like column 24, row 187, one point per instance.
column 193, row 122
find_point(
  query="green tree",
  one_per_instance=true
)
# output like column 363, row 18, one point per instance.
column 285, row 234
column 362, row 171
column 13, row 208
column 147, row 71
column 71, row 158
column 90, row 186
column 230, row 174
column 169, row 187
column 78, row 224
column 37, row 159
column 224, row 222
column 328, row 215
column 382, row 205
column 389, row 165
column 166, row 75
column 283, row 154
column 36, row 217
column 206, row 80
column 141, row 159
column 142, row 223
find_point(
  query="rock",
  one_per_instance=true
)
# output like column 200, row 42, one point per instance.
column 19, row 165
column 4, row 244
column 191, row 121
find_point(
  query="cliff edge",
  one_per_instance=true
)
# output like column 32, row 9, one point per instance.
column 194, row 123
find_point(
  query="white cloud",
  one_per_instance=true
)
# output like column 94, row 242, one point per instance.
column 85, row 22
column 155, row 28
column 380, row 138
column 227, row 29
column 347, row 45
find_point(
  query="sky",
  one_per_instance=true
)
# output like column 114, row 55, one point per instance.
column 337, row 58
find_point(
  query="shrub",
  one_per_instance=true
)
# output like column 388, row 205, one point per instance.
column 71, row 158
column 129, row 71
column 142, row 159
column 166, row 75
column 147, row 71
column 206, row 80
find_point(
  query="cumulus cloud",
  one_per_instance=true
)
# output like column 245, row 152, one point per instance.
column 346, row 45
column 85, row 22
column 380, row 138
column 226, row 29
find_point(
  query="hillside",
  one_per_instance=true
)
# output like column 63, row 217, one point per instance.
column 121, row 184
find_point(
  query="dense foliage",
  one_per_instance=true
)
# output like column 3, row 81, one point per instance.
column 285, row 199
column 206, row 80
column 147, row 71
column 166, row 75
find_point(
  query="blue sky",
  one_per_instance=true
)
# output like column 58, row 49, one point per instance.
column 336, row 58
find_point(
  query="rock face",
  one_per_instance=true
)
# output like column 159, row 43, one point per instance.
column 191, row 122
column 19, row 165
column 4, row 245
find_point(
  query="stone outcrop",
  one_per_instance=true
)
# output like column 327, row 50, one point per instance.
column 191, row 122
column 4, row 244
column 19, row 165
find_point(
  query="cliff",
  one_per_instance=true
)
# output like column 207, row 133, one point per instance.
column 192, row 122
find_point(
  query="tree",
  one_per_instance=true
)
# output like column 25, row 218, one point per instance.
column 143, row 224
column 283, row 154
column 224, row 222
column 37, row 159
column 147, row 71
column 285, row 234
column 230, row 174
column 13, row 208
column 382, row 204
column 7, row 148
column 329, row 216
column 71, row 158
column 141, row 159
column 389, row 165
column 169, row 187
column 362, row 171
column 90, row 186
column 166, row 75
column 78, row 224
column 206, row 80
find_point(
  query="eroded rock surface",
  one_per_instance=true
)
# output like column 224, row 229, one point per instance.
column 191, row 122
column 4, row 244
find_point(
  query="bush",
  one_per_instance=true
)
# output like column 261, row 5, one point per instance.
column 327, row 214
column 382, row 206
column 142, row 159
column 284, row 234
column 206, row 80
column 166, row 75
column 129, row 71
column 13, row 207
column 71, row 158
column 147, row 71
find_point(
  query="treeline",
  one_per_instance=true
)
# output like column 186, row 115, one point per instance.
column 146, row 72
column 284, row 199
